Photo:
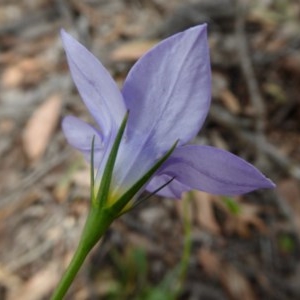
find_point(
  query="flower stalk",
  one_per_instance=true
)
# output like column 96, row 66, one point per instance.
column 96, row 225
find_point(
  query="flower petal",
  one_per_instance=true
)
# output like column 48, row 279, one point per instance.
column 96, row 87
column 132, row 164
column 168, row 90
column 214, row 171
column 173, row 190
column 80, row 135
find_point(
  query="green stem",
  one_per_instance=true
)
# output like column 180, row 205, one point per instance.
column 187, row 246
column 96, row 224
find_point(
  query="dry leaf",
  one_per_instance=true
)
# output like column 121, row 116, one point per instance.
column 209, row 261
column 28, row 70
column 236, row 285
column 230, row 101
column 39, row 286
column 38, row 130
column 12, row 77
column 204, row 213
column 132, row 51
column 289, row 189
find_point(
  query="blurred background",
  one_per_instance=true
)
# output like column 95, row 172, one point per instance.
column 203, row 247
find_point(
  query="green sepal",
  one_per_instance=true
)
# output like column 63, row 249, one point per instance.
column 104, row 188
column 118, row 206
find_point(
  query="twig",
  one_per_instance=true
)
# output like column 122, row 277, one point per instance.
column 13, row 197
column 247, row 68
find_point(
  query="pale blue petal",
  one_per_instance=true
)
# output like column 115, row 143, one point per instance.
column 133, row 161
column 173, row 190
column 168, row 90
column 214, row 171
column 96, row 87
column 80, row 135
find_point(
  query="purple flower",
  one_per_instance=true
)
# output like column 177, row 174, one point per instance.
column 167, row 93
